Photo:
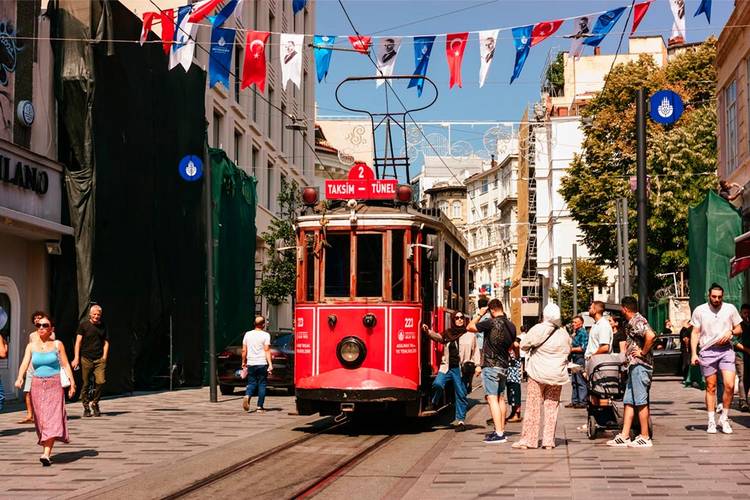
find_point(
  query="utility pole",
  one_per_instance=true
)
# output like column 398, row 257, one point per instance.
column 213, row 397
column 575, row 279
column 642, row 200
column 620, row 258
column 626, row 247
column 559, row 281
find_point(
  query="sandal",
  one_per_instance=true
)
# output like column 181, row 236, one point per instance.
column 46, row 462
column 27, row 420
column 519, row 446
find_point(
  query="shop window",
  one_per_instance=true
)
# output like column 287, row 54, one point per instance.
column 337, row 257
column 369, row 265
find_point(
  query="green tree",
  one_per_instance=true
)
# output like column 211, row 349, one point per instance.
column 555, row 77
column 681, row 159
column 590, row 276
column 280, row 271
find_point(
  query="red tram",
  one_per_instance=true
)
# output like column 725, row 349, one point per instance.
column 371, row 267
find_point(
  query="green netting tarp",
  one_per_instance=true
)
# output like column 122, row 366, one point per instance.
column 712, row 227
column 234, row 231
column 658, row 313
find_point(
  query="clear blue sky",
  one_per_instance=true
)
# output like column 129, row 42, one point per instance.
column 497, row 100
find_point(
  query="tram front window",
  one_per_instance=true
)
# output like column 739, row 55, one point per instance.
column 337, row 265
column 369, row 265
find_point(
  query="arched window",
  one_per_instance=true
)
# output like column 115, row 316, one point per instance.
column 443, row 206
column 456, row 209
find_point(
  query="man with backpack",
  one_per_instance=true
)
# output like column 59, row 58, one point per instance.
column 499, row 335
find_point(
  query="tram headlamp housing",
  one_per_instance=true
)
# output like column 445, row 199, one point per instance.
column 351, row 352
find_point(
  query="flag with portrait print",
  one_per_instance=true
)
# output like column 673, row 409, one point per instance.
column 487, row 44
column 386, row 52
column 290, row 58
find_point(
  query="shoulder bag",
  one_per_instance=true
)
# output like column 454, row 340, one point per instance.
column 64, row 380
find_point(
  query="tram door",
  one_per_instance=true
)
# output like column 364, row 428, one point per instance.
column 427, row 283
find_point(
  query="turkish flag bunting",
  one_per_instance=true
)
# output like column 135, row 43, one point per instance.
column 148, row 20
column 639, row 10
column 361, row 43
column 202, row 9
column 254, row 68
column 167, row 29
column 544, row 30
column 455, row 43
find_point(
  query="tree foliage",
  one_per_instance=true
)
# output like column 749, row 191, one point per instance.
column 280, row 272
column 589, row 277
column 681, row 159
column 555, row 77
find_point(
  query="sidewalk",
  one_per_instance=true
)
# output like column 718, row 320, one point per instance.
column 133, row 433
column 685, row 461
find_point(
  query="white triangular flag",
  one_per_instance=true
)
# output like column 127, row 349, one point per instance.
column 678, row 11
column 290, row 58
column 487, row 42
column 184, row 40
column 582, row 30
column 386, row 51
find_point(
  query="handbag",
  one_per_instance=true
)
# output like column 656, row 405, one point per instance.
column 64, row 380
column 536, row 347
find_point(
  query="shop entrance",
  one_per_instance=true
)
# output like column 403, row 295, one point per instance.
column 10, row 305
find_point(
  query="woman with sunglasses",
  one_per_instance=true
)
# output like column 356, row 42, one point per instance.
column 47, row 356
column 460, row 350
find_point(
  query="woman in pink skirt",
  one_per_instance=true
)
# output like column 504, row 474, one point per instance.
column 47, row 357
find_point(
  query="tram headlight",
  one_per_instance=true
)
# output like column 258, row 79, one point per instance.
column 351, row 352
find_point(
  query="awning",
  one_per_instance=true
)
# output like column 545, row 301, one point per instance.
column 741, row 260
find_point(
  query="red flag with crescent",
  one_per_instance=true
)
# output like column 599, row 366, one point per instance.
column 167, row 29
column 455, row 43
column 254, row 67
column 639, row 10
column 361, row 43
column 202, row 9
column 544, row 30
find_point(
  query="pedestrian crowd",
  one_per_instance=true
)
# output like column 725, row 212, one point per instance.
column 716, row 340
column 46, row 376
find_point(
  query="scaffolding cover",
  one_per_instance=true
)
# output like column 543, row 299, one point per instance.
column 712, row 227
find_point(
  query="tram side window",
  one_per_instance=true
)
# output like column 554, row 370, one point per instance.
column 310, row 276
column 369, row 265
column 337, row 265
column 462, row 284
column 447, row 275
column 397, row 265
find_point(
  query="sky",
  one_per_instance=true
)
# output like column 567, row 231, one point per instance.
column 497, row 100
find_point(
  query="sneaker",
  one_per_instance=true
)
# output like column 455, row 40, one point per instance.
column 619, row 442
column 515, row 418
column 460, row 427
column 719, row 407
column 641, row 442
column 246, row 403
column 725, row 427
column 95, row 410
column 744, row 408
column 46, row 462
column 495, row 438
column 260, row 410
column 571, row 405
column 711, row 429
column 86, row 411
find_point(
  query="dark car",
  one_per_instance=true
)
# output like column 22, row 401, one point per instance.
column 667, row 355
column 229, row 365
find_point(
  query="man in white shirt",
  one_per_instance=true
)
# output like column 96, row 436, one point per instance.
column 714, row 324
column 600, row 336
column 256, row 358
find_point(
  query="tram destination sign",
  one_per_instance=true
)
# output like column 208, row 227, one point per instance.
column 361, row 184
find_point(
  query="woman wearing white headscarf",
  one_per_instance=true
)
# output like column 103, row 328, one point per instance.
column 547, row 346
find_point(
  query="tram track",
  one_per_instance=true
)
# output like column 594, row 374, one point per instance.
column 280, row 471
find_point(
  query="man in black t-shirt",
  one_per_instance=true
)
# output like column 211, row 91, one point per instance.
column 91, row 350
column 499, row 335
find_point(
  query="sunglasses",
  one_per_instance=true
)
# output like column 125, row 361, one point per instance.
column 458, row 316
column 42, row 325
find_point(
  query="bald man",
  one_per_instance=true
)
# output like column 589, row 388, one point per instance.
column 91, row 351
column 256, row 357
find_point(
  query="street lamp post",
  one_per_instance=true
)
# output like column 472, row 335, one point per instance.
column 641, row 199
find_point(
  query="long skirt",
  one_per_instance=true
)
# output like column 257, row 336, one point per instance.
column 48, row 401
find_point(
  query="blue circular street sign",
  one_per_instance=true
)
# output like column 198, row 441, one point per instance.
column 666, row 107
column 191, row 168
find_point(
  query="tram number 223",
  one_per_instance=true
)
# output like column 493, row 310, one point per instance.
column 408, row 322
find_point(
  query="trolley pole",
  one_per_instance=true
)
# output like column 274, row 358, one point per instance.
column 213, row 397
column 642, row 200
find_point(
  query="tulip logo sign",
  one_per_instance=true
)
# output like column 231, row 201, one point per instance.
column 666, row 107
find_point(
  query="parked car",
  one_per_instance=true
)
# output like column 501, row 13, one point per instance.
column 667, row 355
column 229, row 365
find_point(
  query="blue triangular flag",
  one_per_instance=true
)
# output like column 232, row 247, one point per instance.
column 224, row 13
column 704, row 8
column 298, row 5
column 522, row 41
column 603, row 26
column 322, row 49
column 220, row 56
column 422, row 51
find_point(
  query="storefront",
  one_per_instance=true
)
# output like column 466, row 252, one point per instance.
column 30, row 230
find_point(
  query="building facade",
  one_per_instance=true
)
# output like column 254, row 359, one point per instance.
column 251, row 127
column 449, row 198
column 31, row 180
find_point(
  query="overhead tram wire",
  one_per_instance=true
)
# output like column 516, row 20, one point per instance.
column 272, row 105
column 369, row 56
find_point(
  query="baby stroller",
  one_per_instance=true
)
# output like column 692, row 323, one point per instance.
column 607, row 376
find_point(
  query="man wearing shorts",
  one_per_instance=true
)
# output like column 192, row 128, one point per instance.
column 499, row 335
column 714, row 324
column 640, row 338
